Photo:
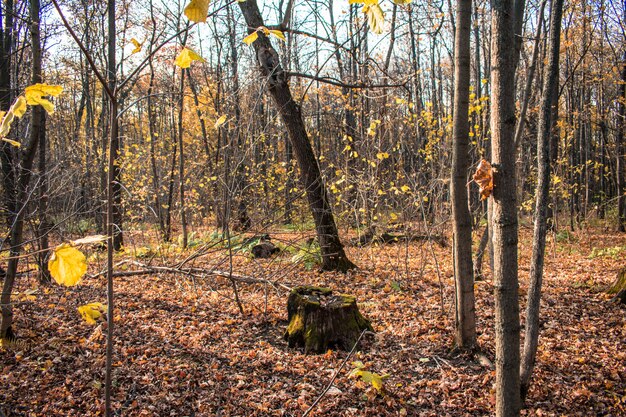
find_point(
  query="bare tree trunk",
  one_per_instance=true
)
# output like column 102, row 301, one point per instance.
column 621, row 150
column 464, row 279
column 38, row 135
column 541, row 200
column 181, row 154
column 333, row 255
column 504, row 217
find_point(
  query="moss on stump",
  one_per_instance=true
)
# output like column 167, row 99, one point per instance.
column 619, row 287
column 319, row 320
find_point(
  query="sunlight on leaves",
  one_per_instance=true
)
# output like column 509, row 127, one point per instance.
column 91, row 312
column 67, row 265
column 186, row 57
column 197, row 11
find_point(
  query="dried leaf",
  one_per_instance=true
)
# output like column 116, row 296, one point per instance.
column 484, row 178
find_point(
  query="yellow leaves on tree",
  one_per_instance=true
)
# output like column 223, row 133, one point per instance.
column 186, row 57
column 484, row 178
column 197, row 10
column 17, row 110
column 67, row 265
column 91, row 312
column 34, row 95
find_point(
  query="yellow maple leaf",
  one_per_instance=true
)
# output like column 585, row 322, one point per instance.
column 91, row 312
column 197, row 10
column 137, row 45
column 186, row 57
column 35, row 93
column 402, row 2
column 251, row 38
column 67, row 265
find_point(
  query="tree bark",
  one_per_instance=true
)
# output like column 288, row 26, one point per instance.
column 465, row 310
column 38, row 135
column 504, row 217
column 333, row 255
column 621, row 151
column 542, row 194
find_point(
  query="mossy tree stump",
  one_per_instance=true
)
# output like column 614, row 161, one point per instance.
column 319, row 320
column 619, row 287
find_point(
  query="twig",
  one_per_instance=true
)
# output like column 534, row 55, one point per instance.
column 317, row 400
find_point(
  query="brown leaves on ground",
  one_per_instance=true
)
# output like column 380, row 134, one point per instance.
column 484, row 178
column 183, row 349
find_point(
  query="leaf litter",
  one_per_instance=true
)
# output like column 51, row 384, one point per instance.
column 182, row 348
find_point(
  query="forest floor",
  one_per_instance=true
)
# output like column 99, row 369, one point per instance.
column 182, row 347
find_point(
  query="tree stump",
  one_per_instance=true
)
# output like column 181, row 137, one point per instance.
column 619, row 287
column 319, row 320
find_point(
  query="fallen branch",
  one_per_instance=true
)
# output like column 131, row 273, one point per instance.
column 148, row 269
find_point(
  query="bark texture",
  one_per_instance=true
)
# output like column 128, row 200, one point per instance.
column 465, row 336
column 504, row 204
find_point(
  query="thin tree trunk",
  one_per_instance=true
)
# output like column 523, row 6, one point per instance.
column 181, row 154
column 541, row 200
column 621, row 150
column 38, row 135
column 465, row 310
column 504, row 217
column 113, row 189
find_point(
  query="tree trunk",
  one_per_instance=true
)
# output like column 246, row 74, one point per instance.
column 541, row 200
column 621, row 150
column 463, row 271
column 38, row 135
column 504, row 217
column 333, row 255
